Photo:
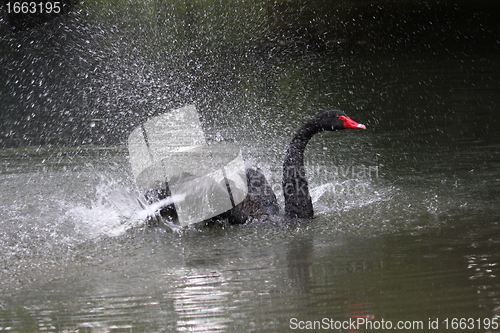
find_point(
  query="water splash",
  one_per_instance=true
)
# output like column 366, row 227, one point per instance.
column 346, row 195
column 114, row 211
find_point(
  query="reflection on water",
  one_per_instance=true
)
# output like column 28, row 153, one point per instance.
column 407, row 223
column 201, row 304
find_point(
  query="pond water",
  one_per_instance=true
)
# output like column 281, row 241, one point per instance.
column 407, row 212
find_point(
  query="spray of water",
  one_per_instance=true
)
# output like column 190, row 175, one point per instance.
column 114, row 211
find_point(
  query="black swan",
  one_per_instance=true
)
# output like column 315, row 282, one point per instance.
column 261, row 200
column 298, row 202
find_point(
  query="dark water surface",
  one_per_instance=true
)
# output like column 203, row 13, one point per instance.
column 407, row 212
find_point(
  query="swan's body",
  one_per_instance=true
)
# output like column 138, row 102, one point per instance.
column 260, row 201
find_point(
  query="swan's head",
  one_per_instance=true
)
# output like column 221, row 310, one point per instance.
column 336, row 120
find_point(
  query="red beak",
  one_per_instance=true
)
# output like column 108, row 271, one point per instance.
column 349, row 123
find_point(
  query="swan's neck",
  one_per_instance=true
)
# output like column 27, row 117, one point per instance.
column 298, row 202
